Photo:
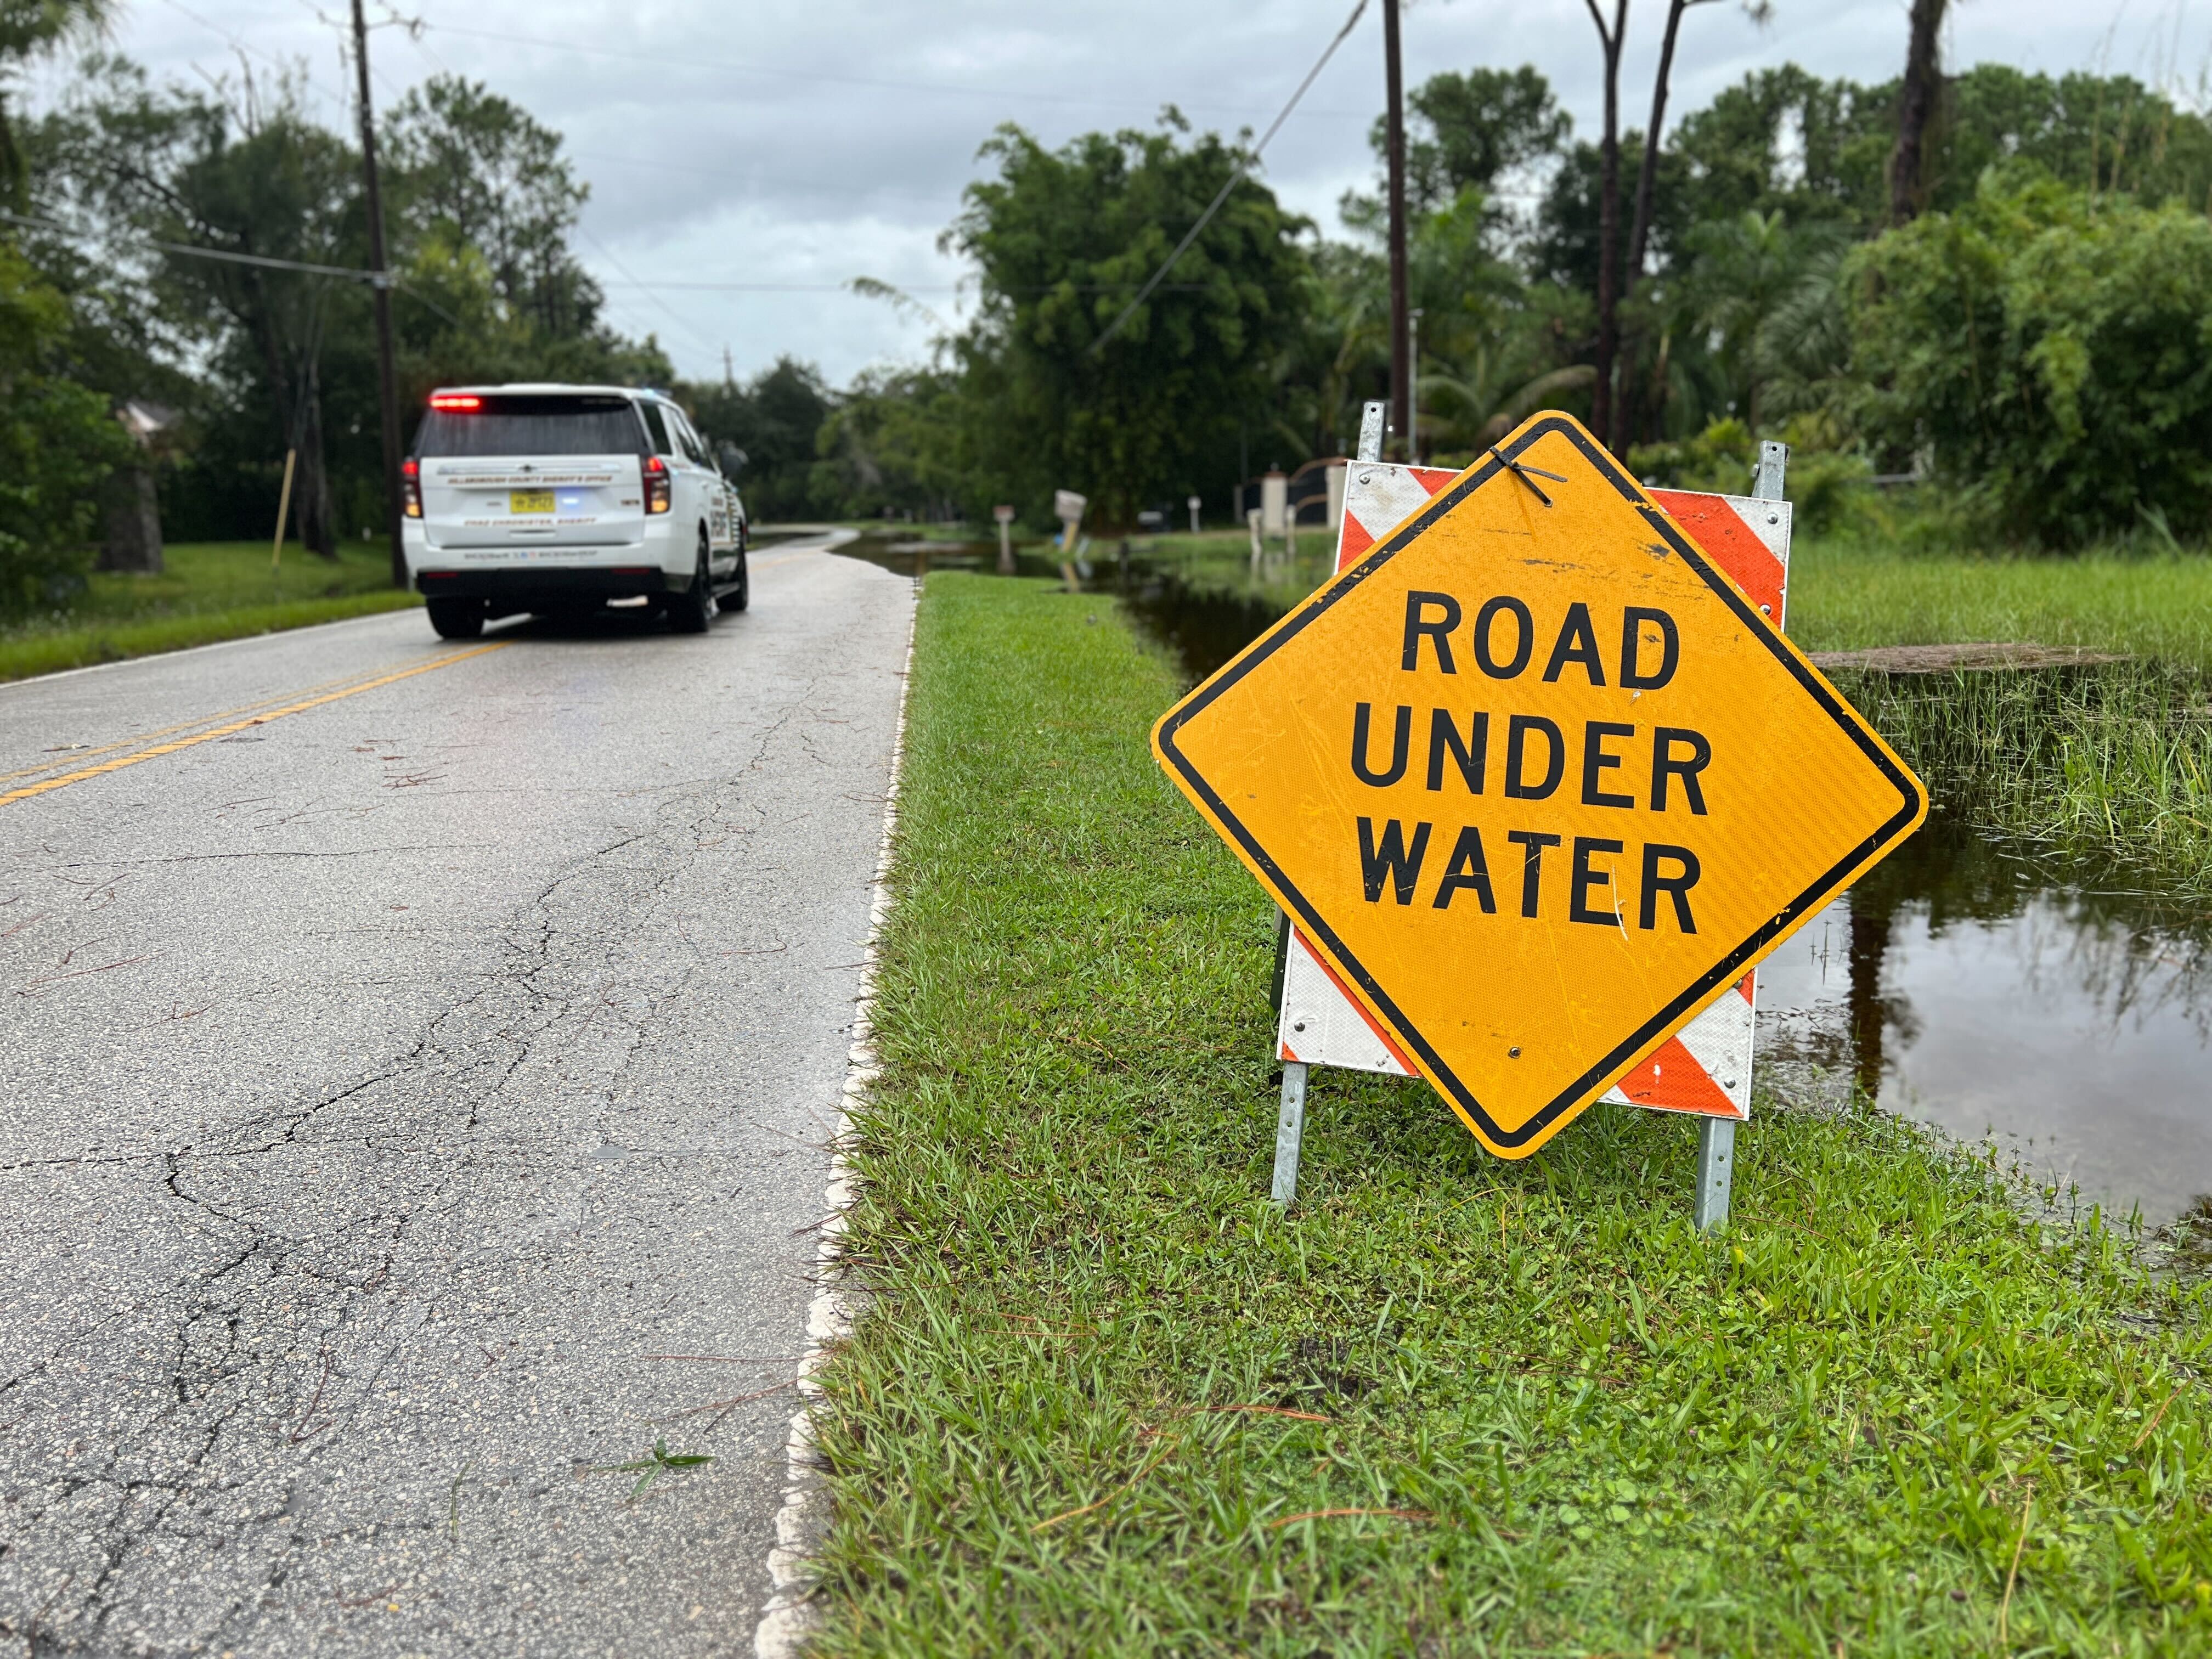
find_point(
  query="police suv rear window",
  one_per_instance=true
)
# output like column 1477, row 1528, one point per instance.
column 534, row 425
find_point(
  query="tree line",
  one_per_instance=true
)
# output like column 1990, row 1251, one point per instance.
column 2003, row 287
column 1999, row 281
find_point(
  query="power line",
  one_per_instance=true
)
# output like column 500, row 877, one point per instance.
column 196, row 251
column 608, row 253
column 191, row 250
column 1237, row 177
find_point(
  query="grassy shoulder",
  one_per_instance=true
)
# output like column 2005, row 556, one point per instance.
column 210, row 590
column 1110, row 1401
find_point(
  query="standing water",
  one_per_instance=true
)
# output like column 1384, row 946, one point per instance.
column 1968, row 989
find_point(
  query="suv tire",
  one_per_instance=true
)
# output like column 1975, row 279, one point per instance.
column 689, row 612
column 739, row 596
column 457, row 619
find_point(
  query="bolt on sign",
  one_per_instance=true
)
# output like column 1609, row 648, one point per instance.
column 1537, row 781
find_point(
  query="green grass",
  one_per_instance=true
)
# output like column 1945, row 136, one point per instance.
column 210, row 590
column 2107, row 768
column 1847, row 595
column 1069, row 1425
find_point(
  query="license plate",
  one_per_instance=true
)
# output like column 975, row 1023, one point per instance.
column 529, row 500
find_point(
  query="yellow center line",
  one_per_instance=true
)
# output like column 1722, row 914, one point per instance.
column 121, row 761
column 77, row 757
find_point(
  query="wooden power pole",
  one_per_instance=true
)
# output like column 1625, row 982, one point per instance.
column 387, row 375
column 1401, row 367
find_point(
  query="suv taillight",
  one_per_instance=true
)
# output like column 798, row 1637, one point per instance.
column 656, row 484
column 410, row 488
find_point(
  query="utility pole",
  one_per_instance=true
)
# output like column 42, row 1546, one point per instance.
column 387, row 375
column 1401, row 403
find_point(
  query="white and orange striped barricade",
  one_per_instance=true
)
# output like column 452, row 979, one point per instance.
column 1600, row 975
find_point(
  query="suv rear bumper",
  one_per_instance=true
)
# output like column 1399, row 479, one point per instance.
column 527, row 588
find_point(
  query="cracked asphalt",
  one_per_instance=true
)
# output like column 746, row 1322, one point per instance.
column 414, row 1106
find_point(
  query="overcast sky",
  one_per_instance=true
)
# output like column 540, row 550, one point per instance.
column 794, row 144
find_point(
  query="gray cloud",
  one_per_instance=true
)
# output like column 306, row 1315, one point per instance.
column 794, row 146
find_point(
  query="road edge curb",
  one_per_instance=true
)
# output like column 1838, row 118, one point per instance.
column 790, row 1614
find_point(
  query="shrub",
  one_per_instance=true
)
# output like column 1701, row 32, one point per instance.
column 2050, row 352
column 1825, row 484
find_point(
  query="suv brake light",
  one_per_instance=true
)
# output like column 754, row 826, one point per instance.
column 455, row 402
column 656, row 484
column 410, row 487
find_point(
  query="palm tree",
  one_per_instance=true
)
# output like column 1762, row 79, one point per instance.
column 1488, row 397
column 1743, row 270
column 1803, row 345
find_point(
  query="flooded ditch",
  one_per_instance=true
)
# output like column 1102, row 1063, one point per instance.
column 1974, row 981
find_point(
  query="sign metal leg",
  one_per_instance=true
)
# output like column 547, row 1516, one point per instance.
column 1716, row 1170
column 1290, row 1131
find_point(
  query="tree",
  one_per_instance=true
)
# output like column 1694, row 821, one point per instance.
column 29, row 30
column 265, row 360
column 1745, row 270
column 1480, row 127
column 1782, row 139
column 58, row 444
column 1341, row 354
column 1917, row 108
column 243, row 172
column 2052, row 353
column 1466, row 132
column 1062, row 240
column 1490, row 394
column 468, row 167
column 2111, row 134
column 1647, row 182
column 775, row 419
column 904, row 440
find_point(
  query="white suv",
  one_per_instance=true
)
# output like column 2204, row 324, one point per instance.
column 552, row 498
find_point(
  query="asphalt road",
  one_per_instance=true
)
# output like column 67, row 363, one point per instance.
column 412, row 1106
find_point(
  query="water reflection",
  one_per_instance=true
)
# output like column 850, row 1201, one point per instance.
column 1959, row 985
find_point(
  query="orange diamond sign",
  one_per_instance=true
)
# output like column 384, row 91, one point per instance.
column 1538, row 780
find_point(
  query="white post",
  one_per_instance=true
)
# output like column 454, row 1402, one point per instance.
column 1274, row 498
column 1192, row 505
column 1717, row 1135
column 1372, row 419
column 1289, row 1131
column 1252, row 518
column 1716, row 1170
column 1291, row 1118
